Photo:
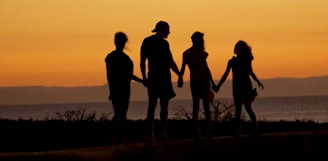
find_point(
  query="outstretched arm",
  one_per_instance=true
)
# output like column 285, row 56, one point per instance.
column 210, row 76
column 174, row 67
column 181, row 73
column 143, row 58
column 252, row 74
column 172, row 64
column 135, row 78
column 143, row 69
column 224, row 76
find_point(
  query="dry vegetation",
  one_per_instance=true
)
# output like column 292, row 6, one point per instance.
column 78, row 129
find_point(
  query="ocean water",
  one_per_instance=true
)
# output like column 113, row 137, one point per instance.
column 304, row 108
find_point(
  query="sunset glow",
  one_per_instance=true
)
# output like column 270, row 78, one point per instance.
column 64, row 42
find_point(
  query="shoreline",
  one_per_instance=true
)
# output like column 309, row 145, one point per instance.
column 266, row 109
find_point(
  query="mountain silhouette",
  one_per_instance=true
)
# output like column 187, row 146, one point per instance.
column 275, row 87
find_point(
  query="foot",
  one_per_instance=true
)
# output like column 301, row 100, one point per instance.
column 209, row 137
column 164, row 138
column 237, row 136
column 198, row 138
column 255, row 135
column 150, row 138
column 125, row 140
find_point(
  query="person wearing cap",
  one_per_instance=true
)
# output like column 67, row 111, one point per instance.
column 155, row 50
column 200, row 81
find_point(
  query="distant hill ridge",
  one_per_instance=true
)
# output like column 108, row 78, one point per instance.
column 274, row 87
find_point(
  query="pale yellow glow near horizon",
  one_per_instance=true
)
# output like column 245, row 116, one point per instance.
column 64, row 42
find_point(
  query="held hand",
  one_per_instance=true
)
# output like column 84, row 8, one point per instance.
column 145, row 82
column 180, row 82
column 260, row 85
column 215, row 88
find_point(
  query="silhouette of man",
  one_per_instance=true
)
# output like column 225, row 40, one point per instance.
column 241, row 66
column 119, row 69
column 200, row 81
column 156, row 50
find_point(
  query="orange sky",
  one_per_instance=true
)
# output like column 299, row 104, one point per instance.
column 64, row 42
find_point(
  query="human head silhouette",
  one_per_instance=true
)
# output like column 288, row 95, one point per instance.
column 120, row 40
column 197, row 39
column 162, row 29
column 242, row 49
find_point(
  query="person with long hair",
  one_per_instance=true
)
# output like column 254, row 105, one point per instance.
column 200, row 81
column 243, row 92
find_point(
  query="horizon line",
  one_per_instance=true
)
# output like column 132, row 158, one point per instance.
column 104, row 84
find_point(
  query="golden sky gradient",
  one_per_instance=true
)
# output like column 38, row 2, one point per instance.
column 64, row 42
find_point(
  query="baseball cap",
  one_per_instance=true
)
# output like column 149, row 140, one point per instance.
column 159, row 25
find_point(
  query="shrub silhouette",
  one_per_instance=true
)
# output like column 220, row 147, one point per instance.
column 220, row 112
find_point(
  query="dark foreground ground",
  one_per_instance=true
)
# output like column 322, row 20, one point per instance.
column 91, row 140
column 298, row 146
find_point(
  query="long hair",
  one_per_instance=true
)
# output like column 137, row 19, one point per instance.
column 243, row 50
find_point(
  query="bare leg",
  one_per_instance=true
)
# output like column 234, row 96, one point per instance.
column 150, row 121
column 117, row 122
column 248, row 107
column 238, row 107
column 164, row 103
column 122, row 126
column 207, row 118
column 195, row 111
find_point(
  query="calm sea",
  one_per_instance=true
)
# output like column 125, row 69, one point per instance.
column 304, row 108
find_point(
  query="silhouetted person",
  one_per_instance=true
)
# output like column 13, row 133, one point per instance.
column 200, row 81
column 156, row 50
column 119, row 69
column 241, row 66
